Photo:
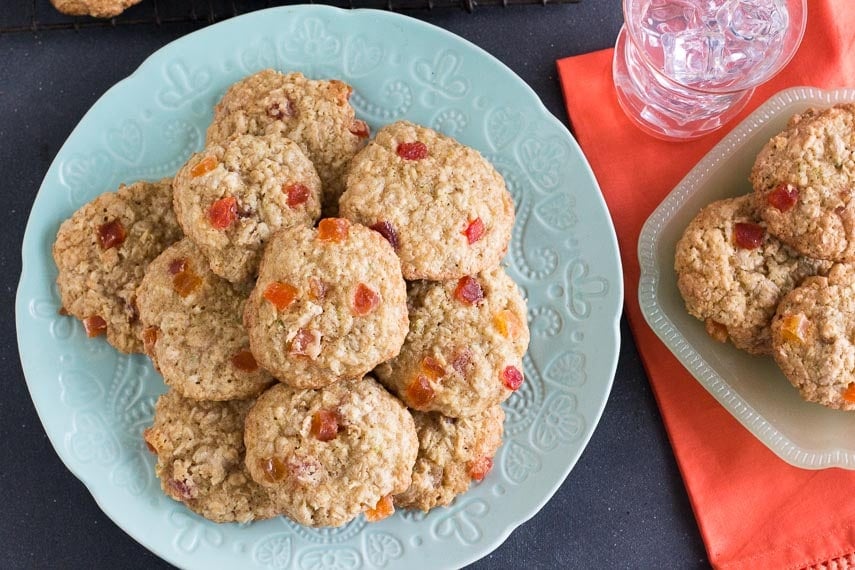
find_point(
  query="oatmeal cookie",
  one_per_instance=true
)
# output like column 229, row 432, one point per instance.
column 193, row 328
column 328, row 455
column 804, row 179
column 464, row 349
column 452, row 453
column 443, row 207
column 233, row 195
column 94, row 8
column 330, row 304
column 813, row 336
column 102, row 252
column 200, row 458
column 731, row 272
column 315, row 114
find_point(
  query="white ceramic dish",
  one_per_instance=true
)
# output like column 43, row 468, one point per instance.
column 751, row 388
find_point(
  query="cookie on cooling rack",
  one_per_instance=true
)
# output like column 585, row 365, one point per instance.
column 804, row 180
column 328, row 455
column 452, row 454
column 813, row 336
column 192, row 328
column 232, row 196
column 329, row 304
column 102, row 252
column 200, row 458
column 463, row 352
column 732, row 272
column 443, row 207
column 315, row 114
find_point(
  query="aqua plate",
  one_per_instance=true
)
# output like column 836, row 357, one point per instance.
column 94, row 402
column 751, row 388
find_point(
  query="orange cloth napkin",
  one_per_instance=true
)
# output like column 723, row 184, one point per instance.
column 753, row 509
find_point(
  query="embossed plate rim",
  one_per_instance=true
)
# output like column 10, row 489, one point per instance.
column 780, row 433
column 597, row 244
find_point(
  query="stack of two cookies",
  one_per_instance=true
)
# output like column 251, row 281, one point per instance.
column 772, row 271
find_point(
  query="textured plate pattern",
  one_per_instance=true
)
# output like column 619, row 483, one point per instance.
column 94, row 403
column 751, row 388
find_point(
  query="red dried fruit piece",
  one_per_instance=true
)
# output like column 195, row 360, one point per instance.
column 223, row 213
column 794, row 328
column 849, row 393
column 508, row 324
column 180, row 490
column 176, row 266
column 716, row 330
column 282, row 295
column 432, row 368
column 511, row 377
column 94, row 326
column 474, row 231
column 297, row 194
column 386, row 230
column 244, row 361
column 306, row 470
column 272, row 469
column 420, row 393
column 317, row 289
column 324, row 425
column 204, row 166
column 185, row 282
column 747, row 235
column 149, row 338
column 783, row 197
column 461, row 361
column 479, row 468
column 63, row 312
column 383, row 509
column 111, row 234
column 469, row 291
column 307, row 342
column 365, row 300
column 277, row 110
column 412, row 150
column 333, row 230
column 360, row 129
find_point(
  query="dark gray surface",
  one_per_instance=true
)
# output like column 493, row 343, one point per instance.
column 622, row 506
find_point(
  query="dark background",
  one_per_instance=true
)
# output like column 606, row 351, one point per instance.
column 622, row 506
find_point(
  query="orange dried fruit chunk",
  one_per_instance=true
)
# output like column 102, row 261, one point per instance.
column 383, row 509
column 794, row 328
column 317, row 289
column 360, row 129
column 508, row 324
column 474, row 231
column 222, row 213
column 204, row 166
column 272, row 469
column 432, row 368
column 783, row 197
column 511, row 377
column 468, row 291
column 185, row 282
column 747, row 235
column 412, row 150
column 849, row 393
column 149, row 338
column 245, row 361
column 478, row 468
column 297, row 194
column 324, row 425
column 282, row 295
column 333, row 230
column 387, row 230
column 94, row 326
column 420, row 393
column 365, row 300
column 307, row 342
column 716, row 330
column 111, row 234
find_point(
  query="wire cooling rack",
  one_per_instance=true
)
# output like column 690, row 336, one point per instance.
column 39, row 15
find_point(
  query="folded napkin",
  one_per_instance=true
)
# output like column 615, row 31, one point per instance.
column 753, row 509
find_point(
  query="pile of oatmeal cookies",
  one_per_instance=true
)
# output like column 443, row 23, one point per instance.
column 773, row 271
column 327, row 310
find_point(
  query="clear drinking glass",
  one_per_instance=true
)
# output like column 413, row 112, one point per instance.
column 683, row 68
